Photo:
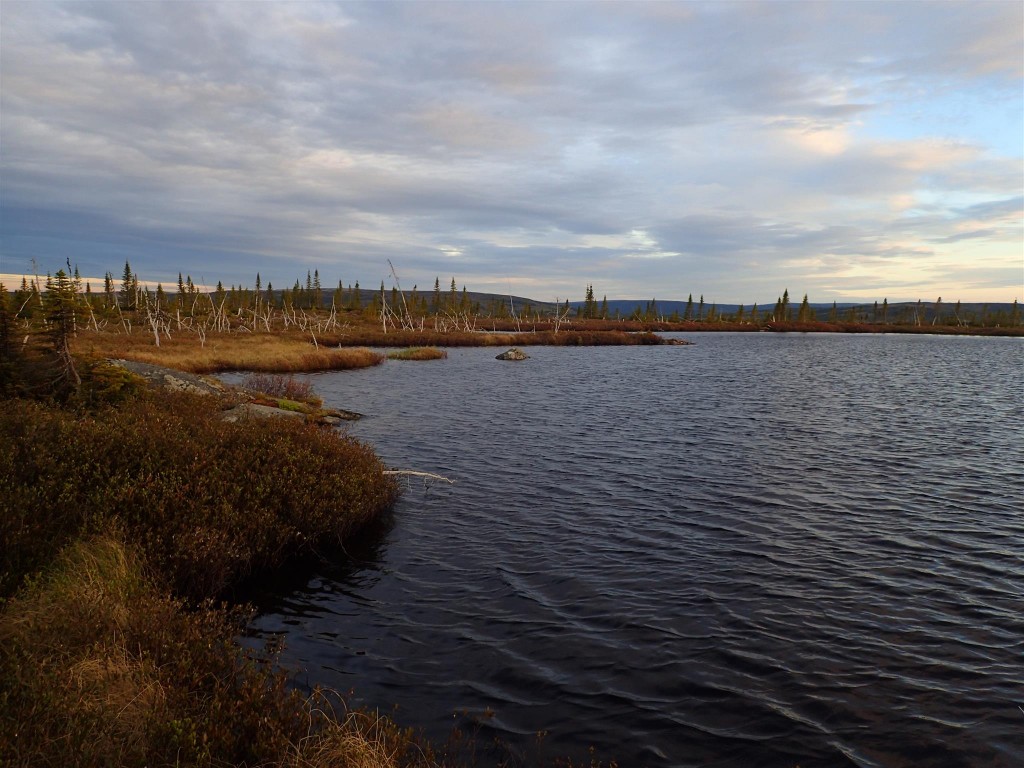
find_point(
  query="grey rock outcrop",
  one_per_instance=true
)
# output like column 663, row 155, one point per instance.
column 512, row 354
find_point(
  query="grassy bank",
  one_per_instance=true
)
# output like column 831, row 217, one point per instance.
column 372, row 337
column 279, row 352
column 118, row 524
column 99, row 666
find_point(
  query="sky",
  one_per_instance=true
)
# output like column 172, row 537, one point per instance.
column 851, row 151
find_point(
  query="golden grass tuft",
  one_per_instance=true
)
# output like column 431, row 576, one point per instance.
column 268, row 353
column 418, row 353
column 67, row 658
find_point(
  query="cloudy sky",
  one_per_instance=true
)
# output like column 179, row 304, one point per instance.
column 848, row 150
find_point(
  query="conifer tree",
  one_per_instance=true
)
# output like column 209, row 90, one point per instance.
column 804, row 313
column 60, row 316
column 688, row 314
column 128, row 297
column 700, row 309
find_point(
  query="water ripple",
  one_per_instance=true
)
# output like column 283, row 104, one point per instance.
column 761, row 550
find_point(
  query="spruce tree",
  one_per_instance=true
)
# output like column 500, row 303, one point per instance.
column 60, row 317
column 128, row 297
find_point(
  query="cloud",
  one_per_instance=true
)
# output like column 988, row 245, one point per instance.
column 731, row 149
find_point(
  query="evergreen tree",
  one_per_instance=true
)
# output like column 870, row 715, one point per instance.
column 785, row 304
column 60, row 316
column 753, row 314
column 833, row 314
column 804, row 313
column 128, row 297
column 700, row 309
column 604, row 307
column 885, row 311
column 739, row 314
column 317, row 290
column 435, row 300
column 688, row 314
column 108, row 291
column 453, row 296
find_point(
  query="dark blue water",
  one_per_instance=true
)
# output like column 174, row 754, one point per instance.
column 761, row 550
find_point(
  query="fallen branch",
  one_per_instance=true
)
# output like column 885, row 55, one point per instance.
column 413, row 473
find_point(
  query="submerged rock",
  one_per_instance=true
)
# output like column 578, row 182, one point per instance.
column 512, row 354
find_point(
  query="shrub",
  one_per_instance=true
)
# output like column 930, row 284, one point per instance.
column 278, row 385
column 210, row 503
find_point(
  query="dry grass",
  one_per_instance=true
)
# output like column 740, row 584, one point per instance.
column 267, row 353
column 67, row 662
column 418, row 353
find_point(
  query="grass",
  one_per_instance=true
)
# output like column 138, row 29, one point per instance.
column 418, row 353
column 100, row 667
column 280, row 352
column 370, row 337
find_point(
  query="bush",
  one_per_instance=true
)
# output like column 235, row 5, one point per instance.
column 209, row 502
column 278, row 385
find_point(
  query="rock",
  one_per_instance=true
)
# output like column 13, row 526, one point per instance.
column 512, row 354
column 167, row 378
column 257, row 411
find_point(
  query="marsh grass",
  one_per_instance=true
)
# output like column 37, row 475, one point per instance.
column 564, row 338
column 280, row 352
column 418, row 353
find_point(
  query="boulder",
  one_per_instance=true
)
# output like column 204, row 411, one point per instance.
column 512, row 354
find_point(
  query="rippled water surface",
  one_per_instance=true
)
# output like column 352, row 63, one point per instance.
column 761, row 550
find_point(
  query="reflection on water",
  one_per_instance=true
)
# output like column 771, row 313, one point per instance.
column 759, row 550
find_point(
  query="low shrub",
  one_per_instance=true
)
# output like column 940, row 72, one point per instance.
column 210, row 503
column 278, row 385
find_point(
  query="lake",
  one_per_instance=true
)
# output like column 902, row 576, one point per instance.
column 760, row 550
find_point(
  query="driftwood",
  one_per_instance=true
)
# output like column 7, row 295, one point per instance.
column 414, row 473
